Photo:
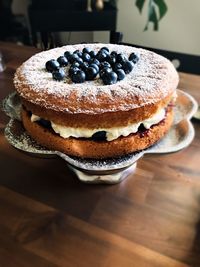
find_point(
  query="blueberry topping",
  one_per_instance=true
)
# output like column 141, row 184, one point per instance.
column 76, row 64
column 101, row 55
column 91, row 73
column 84, row 65
column 103, row 51
column 113, row 53
column 134, row 57
column 99, row 136
column 86, row 50
column 109, row 78
column 128, row 66
column 58, row 75
column 67, row 54
column 73, row 57
column 121, row 58
column 86, row 57
column 105, row 48
column 93, row 53
column 78, row 53
column 79, row 60
column 62, row 61
column 95, row 61
column 78, row 77
column 95, row 66
column 105, row 64
column 87, row 64
column 120, row 74
column 104, row 71
column 52, row 65
column 112, row 59
column 117, row 66
column 73, row 70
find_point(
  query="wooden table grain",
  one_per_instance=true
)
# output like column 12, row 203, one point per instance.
column 49, row 218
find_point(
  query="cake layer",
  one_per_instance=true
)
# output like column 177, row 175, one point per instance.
column 152, row 79
column 104, row 120
column 92, row 149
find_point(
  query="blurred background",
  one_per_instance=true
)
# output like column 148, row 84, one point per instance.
column 50, row 23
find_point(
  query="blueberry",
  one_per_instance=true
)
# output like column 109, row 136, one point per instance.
column 86, row 57
column 105, row 48
column 128, row 66
column 93, row 53
column 101, row 55
column 75, row 64
column 86, row 50
column 109, row 78
column 73, row 57
column 120, row 74
column 45, row 123
column 105, row 64
column 78, row 53
column 84, row 65
column 78, row 60
column 99, row 136
column 134, row 57
column 62, row 61
column 95, row 66
column 95, row 61
column 58, row 75
column 52, row 65
column 78, row 77
column 104, row 51
column 117, row 66
column 111, row 59
column 67, row 54
column 121, row 58
column 113, row 53
column 73, row 70
column 91, row 73
column 104, row 71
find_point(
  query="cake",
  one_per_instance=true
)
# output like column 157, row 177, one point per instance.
column 97, row 100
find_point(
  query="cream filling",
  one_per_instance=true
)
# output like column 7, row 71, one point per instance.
column 111, row 133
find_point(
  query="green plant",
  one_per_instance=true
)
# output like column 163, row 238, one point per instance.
column 156, row 11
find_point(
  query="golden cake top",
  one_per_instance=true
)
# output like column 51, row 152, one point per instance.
column 152, row 78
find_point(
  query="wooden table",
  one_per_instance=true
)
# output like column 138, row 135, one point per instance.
column 49, row 218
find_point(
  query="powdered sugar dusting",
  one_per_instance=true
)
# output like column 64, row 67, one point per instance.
column 152, row 79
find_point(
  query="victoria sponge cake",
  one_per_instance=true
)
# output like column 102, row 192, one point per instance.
column 97, row 100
